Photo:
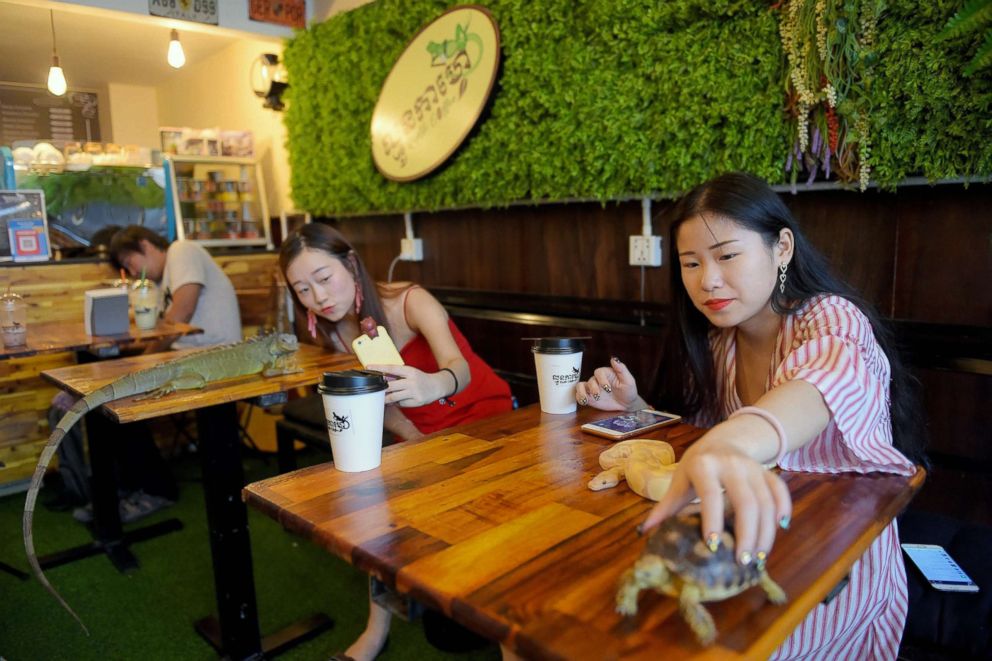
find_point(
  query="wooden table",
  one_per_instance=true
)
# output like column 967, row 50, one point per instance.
column 54, row 336
column 108, row 534
column 492, row 523
column 236, row 632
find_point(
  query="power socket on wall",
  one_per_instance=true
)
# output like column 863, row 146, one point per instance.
column 645, row 250
column 412, row 250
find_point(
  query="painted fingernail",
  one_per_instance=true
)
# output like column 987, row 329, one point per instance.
column 615, row 360
column 583, row 401
column 607, row 388
column 759, row 560
column 713, row 542
column 744, row 557
column 784, row 522
column 596, row 397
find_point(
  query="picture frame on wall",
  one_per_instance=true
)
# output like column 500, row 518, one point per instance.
column 24, row 226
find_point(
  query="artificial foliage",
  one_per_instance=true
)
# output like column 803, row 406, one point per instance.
column 830, row 53
column 605, row 99
column 113, row 185
column 595, row 100
column 976, row 16
column 928, row 117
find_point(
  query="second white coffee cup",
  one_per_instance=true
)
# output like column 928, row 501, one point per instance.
column 354, row 405
column 558, row 361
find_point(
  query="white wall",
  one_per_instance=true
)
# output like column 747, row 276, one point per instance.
column 133, row 111
column 216, row 93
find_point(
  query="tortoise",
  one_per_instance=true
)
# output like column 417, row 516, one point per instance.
column 677, row 562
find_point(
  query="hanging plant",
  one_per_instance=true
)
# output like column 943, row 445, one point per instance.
column 974, row 16
column 829, row 51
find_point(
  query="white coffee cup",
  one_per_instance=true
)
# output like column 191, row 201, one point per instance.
column 558, row 361
column 354, row 406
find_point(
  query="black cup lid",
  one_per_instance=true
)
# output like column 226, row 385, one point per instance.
column 352, row 382
column 557, row 345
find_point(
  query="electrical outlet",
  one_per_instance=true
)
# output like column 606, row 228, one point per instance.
column 412, row 250
column 645, row 250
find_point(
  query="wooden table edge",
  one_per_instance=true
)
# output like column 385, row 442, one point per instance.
column 802, row 605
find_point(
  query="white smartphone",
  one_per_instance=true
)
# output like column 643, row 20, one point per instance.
column 379, row 350
column 623, row 426
column 939, row 568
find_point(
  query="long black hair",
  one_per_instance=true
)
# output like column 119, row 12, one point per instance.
column 318, row 236
column 689, row 378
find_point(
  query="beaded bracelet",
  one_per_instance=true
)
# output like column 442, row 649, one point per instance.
column 451, row 372
column 770, row 419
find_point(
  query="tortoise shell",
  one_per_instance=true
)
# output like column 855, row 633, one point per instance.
column 679, row 544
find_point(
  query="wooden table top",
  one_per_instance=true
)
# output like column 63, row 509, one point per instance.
column 493, row 524
column 53, row 336
column 82, row 379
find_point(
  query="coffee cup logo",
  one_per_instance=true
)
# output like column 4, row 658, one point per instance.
column 566, row 379
column 338, row 423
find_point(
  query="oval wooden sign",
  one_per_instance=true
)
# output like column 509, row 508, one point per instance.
column 435, row 93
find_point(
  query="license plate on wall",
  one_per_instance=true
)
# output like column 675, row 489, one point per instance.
column 201, row 11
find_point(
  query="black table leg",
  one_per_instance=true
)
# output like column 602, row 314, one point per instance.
column 235, row 632
column 108, row 535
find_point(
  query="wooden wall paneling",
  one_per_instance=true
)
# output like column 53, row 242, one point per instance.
column 857, row 234
column 577, row 250
column 958, row 414
column 945, row 255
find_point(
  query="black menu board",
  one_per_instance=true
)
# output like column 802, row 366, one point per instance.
column 30, row 112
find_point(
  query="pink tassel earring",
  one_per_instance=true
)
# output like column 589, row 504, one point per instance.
column 359, row 299
column 312, row 324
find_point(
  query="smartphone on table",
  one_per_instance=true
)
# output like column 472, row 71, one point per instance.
column 625, row 425
column 939, row 568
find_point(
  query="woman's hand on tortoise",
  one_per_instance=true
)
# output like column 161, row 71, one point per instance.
column 758, row 497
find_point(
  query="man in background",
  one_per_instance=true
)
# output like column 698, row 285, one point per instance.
column 193, row 290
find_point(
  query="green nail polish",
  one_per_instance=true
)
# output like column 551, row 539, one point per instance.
column 759, row 560
column 713, row 542
column 784, row 522
column 744, row 557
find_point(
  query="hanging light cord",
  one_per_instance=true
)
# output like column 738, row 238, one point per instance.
column 51, row 15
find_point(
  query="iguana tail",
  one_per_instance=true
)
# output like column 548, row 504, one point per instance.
column 122, row 387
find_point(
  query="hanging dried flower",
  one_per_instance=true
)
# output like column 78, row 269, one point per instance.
column 828, row 46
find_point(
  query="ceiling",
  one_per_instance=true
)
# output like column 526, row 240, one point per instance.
column 98, row 46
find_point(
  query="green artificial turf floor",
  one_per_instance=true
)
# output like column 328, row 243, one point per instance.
column 149, row 613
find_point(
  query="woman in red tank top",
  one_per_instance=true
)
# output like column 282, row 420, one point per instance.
column 442, row 382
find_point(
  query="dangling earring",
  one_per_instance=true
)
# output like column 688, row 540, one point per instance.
column 312, row 324
column 781, row 277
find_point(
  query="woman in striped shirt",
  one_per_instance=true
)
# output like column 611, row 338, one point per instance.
column 788, row 365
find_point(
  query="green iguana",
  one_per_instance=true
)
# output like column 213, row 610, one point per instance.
column 267, row 354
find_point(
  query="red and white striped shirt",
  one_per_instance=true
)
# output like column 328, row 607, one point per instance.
column 829, row 343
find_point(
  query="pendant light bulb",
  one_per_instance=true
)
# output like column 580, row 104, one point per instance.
column 56, row 77
column 176, row 56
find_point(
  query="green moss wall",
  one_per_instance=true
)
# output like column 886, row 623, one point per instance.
column 609, row 98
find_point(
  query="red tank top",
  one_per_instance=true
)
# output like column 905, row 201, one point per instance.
column 485, row 395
